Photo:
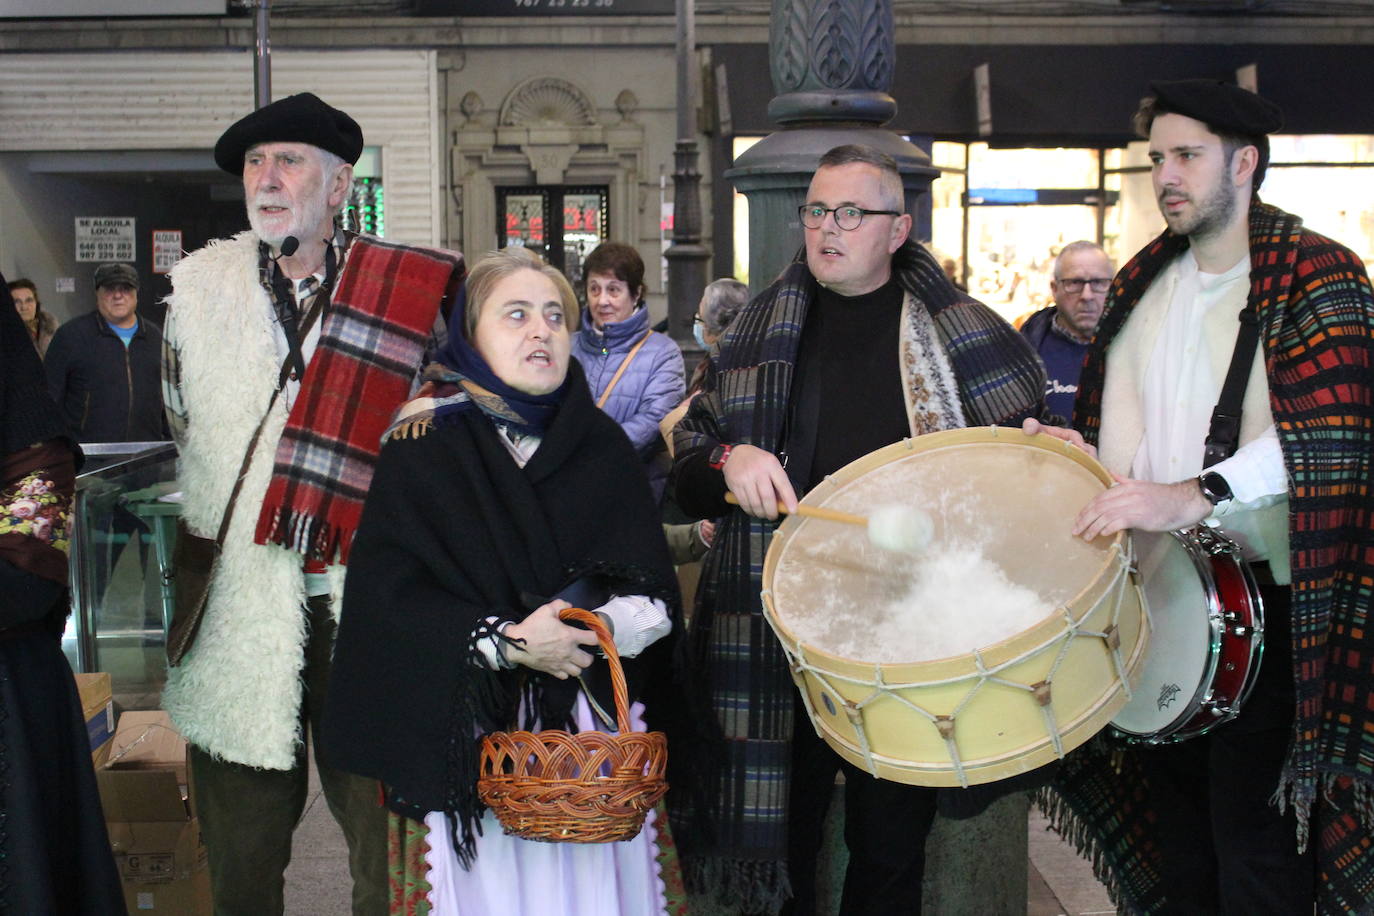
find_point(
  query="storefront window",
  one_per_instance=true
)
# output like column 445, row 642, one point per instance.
column 741, row 216
column 1008, row 212
column 1329, row 182
column 1024, row 205
column 1135, row 219
column 947, row 218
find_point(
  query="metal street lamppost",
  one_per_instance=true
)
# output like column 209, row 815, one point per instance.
column 832, row 64
column 687, row 256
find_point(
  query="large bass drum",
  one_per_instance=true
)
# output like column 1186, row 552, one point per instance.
column 1208, row 626
column 928, row 691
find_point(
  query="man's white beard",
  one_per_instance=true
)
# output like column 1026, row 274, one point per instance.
column 309, row 216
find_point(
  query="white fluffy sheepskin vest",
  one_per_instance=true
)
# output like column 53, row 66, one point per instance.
column 237, row 692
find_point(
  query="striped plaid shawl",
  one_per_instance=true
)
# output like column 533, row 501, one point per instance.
column 1316, row 315
column 731, row 820
column 372, row 342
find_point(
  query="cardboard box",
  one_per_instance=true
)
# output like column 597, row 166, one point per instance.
column 147, row 740
column 97, row 709
column 153, row 831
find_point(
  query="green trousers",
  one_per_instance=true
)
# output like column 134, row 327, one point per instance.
column 247, row 814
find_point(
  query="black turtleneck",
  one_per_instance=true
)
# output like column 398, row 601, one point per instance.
column 849, row 378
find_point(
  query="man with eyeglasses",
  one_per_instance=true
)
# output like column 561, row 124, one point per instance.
column 860, row 343
column 1241, row 819
column 1061, row 332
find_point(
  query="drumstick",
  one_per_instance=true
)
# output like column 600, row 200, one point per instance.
column 903, row 529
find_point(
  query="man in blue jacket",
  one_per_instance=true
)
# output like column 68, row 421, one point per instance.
column 1061, row 333
column 103, row 367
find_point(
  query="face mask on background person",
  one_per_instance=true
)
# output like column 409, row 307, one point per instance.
column 699, row 333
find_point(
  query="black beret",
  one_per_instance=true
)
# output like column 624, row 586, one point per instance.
column 1223, row 107
column 301, row 118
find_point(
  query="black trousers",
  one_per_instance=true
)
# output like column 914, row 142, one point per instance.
column 885, row 828
column 1225, row 847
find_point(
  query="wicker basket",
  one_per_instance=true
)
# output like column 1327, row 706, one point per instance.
column 591, row 787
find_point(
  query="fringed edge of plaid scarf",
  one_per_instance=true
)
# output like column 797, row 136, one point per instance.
column 379, row 322
column 1081, row 834
column 747, row 887
column 417, row 417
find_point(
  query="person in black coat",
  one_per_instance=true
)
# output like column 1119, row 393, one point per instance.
column 502, row 494
column 104, row 367
column 54, row 851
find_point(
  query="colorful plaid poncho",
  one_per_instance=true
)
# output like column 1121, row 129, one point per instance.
column 1316, row 314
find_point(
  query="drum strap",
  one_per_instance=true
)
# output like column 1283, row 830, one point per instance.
column 1223, row 435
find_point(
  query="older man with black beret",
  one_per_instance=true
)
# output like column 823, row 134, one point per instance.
column 1270, row 811
column 288, row 348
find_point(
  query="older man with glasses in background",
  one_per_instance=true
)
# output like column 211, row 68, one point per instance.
column 1060, row 333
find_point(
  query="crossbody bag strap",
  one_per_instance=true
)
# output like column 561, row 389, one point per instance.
column 624, row 364
column 1223, row 435
column 315, row 309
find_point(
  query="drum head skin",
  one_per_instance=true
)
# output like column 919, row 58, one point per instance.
column 1183, row 646
column 1207, row 623
column 1005, row 702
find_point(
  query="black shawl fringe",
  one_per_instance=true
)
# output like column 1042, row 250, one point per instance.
column 750, row 887
column 480, row 698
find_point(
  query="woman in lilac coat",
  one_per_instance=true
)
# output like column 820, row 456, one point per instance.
column 653, row 382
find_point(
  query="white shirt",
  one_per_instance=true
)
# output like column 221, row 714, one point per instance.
column 1180, row 390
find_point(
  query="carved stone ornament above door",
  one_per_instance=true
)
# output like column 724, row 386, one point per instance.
column 547, row 101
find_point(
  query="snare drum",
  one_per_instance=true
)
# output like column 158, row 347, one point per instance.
column 1208, row 636
column 1005, row 705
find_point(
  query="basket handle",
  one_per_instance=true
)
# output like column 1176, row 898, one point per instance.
column 603, row 636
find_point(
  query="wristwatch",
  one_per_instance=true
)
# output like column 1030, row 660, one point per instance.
column 1214, row 487
column 719, row 455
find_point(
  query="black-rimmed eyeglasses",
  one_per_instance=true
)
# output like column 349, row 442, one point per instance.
column 1076, row 284
column 847, row 218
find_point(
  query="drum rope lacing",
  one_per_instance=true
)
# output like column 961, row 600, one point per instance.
column 984, row 675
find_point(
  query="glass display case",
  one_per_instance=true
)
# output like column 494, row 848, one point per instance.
column 122, row 534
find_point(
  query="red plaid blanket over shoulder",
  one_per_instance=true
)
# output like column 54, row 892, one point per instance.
column 371, row 345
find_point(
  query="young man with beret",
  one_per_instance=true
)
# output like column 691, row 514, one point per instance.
column 292, row 343
column 1271, row 811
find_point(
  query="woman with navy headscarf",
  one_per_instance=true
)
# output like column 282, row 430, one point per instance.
column 501, row 495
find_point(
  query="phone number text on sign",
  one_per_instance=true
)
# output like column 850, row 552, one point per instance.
column 544, row 7
column 105, row 238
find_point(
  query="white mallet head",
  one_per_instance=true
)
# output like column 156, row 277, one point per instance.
column 903, row 529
